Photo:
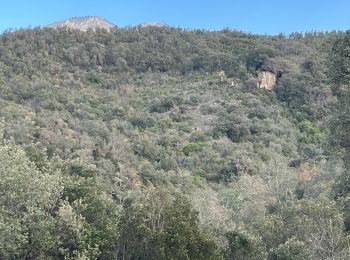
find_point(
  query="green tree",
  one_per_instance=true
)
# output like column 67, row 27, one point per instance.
column 242, row 247
column 27, row 196
column 316, row 222
column 160, row 227
column 339, row 64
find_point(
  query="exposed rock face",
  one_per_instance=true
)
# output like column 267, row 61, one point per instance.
column 222, row 74
column 267, row 80
column 84, row 23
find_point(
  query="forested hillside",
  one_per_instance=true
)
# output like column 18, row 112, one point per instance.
column 156, row 143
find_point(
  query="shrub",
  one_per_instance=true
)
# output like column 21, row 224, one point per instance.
column 190, row 148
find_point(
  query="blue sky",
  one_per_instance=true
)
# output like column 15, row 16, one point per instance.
column 256, row 16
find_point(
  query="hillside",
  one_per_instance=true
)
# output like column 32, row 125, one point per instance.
column 140, row 134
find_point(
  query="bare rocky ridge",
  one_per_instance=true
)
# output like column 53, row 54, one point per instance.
column 84, row 23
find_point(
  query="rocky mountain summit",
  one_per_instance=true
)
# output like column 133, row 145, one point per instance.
column 84, row 23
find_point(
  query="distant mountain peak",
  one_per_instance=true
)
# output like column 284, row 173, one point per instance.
column 84, row 23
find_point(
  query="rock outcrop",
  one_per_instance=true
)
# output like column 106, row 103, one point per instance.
column 267, row 80
column 154, row 24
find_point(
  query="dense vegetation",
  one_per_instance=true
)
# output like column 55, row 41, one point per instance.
column 131, row 145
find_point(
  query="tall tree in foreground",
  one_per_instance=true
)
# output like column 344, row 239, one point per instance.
column 339, row 73
column 52, row 210
column 158, row 226
column 27, row 196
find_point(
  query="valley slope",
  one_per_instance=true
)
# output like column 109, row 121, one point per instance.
column 153, row 118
